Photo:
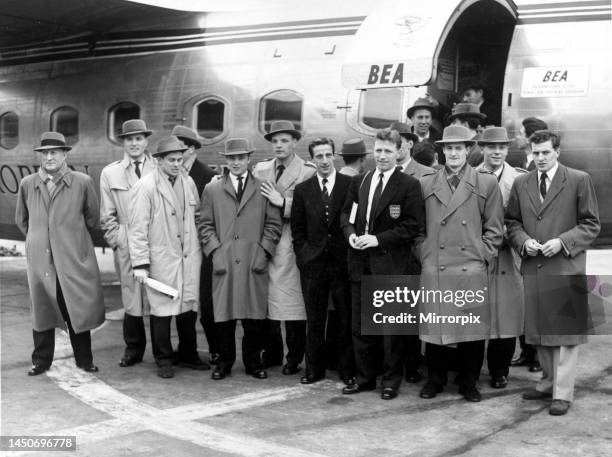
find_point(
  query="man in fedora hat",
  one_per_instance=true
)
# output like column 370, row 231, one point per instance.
column 163, row 243
column 320, row 249
column 239, row 229
column 353, row 154
column 56, row 211
column 117, row 182
column 475, row 92
column 404, row 160
column 201, row 174
column 552, row 219
column 421, row 114
column 505, row 281
column 464, row 230
column 468, row 116
column 285, row 301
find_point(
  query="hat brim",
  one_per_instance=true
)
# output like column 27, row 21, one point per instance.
column 46, row 148
column 190, row 142
column 467, row 142
column 353, row 154
column 412, row 109
column 236, row 153
column 484, row 142
column 410, row 136
column 146, row 133
column 165, row 153
column 294, row 133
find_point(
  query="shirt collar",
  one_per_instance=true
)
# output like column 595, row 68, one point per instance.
column 386, row 174
column 550, row 174
column 234, row 178
column 331, row 179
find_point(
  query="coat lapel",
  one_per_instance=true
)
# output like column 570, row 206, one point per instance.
column 337, row 199
column 388, row 192
column 42, row 188
column 290, row 175
column 533, row 192
column 556, row 186
column 163, row 184
column 440, row 188
column 229, row 188
column 247, row 193
column 463, row 191
column 364, row 191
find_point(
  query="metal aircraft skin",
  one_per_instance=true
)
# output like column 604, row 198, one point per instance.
column 82, row 66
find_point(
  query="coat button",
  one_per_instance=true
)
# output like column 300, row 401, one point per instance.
column 329, row 235
column 443, row 222
column 174, row 213
column 463, row 248
column 46, row 274
column 442, row 268
column 539, row 265
column 539, row 218
column 441, row 246
column 463, row 268
column 185, row 256
column 463, row 223
column 237, row 260
column 235, row 237
column 47, row 251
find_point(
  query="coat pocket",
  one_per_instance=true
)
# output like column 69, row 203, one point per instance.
column 218, row 262
column 260, row 260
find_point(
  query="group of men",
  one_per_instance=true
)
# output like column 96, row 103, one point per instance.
column 290, row 240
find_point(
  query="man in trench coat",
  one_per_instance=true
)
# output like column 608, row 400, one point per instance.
column 285, row 299
column 56, row 210
column 239, row 229
column 163, row 242
column 552, row 218
column 117, row 182
column 464, row 231
column 505, row 281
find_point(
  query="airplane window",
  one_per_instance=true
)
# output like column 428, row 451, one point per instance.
column 380, row 107
column 66, row 121
column 9, row 130
column 209, row 117
column 285, row 105
column 117, row 115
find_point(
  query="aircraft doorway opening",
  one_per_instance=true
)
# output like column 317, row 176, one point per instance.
column 474, row 52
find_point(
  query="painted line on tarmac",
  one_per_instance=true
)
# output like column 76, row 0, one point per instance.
column 130, row 415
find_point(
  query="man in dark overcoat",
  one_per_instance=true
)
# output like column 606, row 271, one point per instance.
column 56, row 211
column 552, row 218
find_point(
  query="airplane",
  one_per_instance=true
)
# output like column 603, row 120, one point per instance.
column 334, row 68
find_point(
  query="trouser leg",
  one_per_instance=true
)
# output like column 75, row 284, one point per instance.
column 80, row 342
column 207, row 315
column 160, row 339
column 499, row 356
column 316, row 293
column 394, row 360
column 365, row 347
column 341, row 294
column 437, row 364
column 471, row 356
column 528, row 350
column 134, row 336
column 565, row 359
column 44, row 346
column 274, row 343
column 412, row 353
column 226, row 343
column 253, row 343
column 188, row 344
column 296, row 341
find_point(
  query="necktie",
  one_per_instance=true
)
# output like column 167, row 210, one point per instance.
column 375, row 199
column 240, row 188
column 326, row 199
column 454, row 182
column 137, row 168
column 172, row 179
column 543, row 185
column 279, row 171
column 50, row 186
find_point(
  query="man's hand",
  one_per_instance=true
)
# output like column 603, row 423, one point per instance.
column 551, row 247
column 274, row 196
column 532, row 247
column 352, row 241
column 366, row 241
column 141, row 275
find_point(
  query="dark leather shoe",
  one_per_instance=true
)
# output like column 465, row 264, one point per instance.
column 291, row 368
column 196, row 364
column 165, row 371
column 356, row 388
column 388, row 393
column 91, row 368
column 36, row 370
column 535, row 367
column 259, row 373
column 129, row 360
column 430, row 390
column 520, row 361
column 536, row 395
column 559, row 407
column 499, row 382
column 220, row 373
column 348, row 381
column 413, row 377
column 470, row 393
column 311, row 379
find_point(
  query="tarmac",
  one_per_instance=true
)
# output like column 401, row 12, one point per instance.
column 131, row 411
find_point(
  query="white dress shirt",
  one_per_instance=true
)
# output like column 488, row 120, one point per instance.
column 234, row 180
column 331, row 180
column 550, row 174
column 374, row 182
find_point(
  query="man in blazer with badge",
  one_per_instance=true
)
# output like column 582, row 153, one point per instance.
column 201, row 174
column 320, row 250
column 552, row 219
column 383, row 213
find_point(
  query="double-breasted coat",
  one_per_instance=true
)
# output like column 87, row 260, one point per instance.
column 242, row 237
column 163, row 235
column 464, row 230
column 117, row 181
column 505, row 280
column 59, row 248
column 556, row 305
column 285, row 300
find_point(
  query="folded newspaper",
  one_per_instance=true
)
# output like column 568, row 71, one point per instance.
column 163, row 288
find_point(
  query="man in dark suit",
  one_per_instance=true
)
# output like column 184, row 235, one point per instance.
column 321, row 249
column 552, row 219
column 382, row 215
column 201, row 174
column 476, row 93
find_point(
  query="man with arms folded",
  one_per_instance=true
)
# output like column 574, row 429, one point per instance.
column 552, row 218
column 382, row 215
column 320, row 250
column 239, row 229
column 164, row 245
column 464, row 230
